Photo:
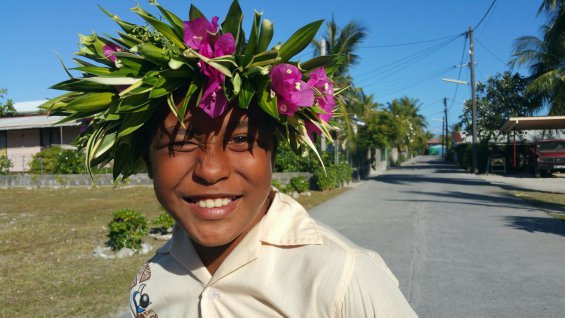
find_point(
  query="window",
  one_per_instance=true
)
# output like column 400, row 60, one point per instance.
column 50, row 136
column 3, row 142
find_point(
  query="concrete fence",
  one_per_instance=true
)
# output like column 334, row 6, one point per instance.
column 73, row 180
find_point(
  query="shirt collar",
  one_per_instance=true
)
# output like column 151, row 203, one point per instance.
column 288, row 224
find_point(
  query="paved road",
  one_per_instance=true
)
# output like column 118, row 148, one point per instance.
column 459, row 246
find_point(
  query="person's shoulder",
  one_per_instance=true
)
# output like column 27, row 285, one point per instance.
column 361, row 259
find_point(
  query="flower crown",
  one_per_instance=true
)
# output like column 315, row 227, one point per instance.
column 142, row 69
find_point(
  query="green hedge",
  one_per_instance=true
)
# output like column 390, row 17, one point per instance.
column 5, row 165
column 334, row 177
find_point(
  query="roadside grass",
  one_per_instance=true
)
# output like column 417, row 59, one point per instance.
column 552, row 203
column 47, row 238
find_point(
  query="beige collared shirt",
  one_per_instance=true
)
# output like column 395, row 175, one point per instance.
column 286, row 266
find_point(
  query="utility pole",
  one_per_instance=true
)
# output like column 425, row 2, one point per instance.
column 473, row 98
column 323, row 53
column 446, row 127
column 443, row 139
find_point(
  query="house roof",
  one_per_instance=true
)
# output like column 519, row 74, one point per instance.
column 28, row 122
column 29, row 107
column 532, row 123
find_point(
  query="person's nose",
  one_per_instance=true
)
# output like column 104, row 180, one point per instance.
column 213, row 164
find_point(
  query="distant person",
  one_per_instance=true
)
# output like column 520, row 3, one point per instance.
column 203, row 109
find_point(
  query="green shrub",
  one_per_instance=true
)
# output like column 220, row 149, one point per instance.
column 299, row 184
column 336, row 175
column 288, row 161
column 5, row 165
column 70, row 161
column 45, row 160
column 326, row 181
column 164, row 221
column 276, row 184
column 344, row 172
column 127, row 228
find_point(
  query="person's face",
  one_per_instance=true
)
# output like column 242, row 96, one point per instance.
column 214, row 176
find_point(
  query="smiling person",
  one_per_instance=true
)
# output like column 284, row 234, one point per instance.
column 201, row 109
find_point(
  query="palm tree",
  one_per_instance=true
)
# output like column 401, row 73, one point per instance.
column 546, row 57
column 409, row 123
column 344, row 41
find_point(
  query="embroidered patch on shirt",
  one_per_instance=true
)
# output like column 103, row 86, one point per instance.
column 140, row 298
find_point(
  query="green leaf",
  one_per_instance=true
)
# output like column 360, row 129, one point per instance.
column 133, row 102
column 151, row 53
column 94, row 70
column 105, row 145
column 269, row 104
column 265, row 36
column 264, row 59
column 134, row 121
column 126, row 26
column 192, row 88
column 340, row 90
column 129, row 40
column 91, row 102
column 194, row 13
column 174, row 20
column 111, row 80
column 164, row 86
column 305, row 139
column 50, row 104
column 256, row 70
column 236, row 82
column 299, row 40
column 163, row 28
column 246, row 94
column 232, row 23
column 253, row 37
column 83, row 85
column 218, row 62
column 134, row 62
column 328, row 61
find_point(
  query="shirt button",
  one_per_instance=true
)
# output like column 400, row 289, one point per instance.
column 213, row 294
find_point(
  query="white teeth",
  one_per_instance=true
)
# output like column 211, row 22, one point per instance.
column 209, row 203
column 213, row 203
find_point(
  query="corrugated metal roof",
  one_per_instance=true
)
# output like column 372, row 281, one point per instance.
column 28, row 107
column 526, row 123
column 27, row 122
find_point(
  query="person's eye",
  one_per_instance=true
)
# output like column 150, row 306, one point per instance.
column 183, row 145
column 239, row 143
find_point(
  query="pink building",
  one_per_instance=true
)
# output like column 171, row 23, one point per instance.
column 24, row 135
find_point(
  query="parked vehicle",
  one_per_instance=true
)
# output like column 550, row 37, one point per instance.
column 548, row 156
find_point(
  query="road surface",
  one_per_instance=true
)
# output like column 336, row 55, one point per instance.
column 459, row 246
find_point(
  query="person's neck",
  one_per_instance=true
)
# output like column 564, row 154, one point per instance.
column 213, row 256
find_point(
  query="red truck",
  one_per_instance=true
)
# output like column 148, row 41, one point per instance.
column 548, row 157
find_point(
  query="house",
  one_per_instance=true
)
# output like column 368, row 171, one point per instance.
column 29, row 131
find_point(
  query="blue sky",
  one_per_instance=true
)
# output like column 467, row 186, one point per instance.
column 392, row 64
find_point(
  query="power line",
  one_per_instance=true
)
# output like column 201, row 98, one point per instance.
column 460, row 69
column 402, row 63
column 490, row 52
column 485, row 15
column 407, row 43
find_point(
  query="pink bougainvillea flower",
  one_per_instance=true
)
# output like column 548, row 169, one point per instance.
column 202, row 36
column 199, row 32
column 312, row 129
column 224, row 45
column 109, row 50
column 319, row 80
column 214, row 101
column 291, row 91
